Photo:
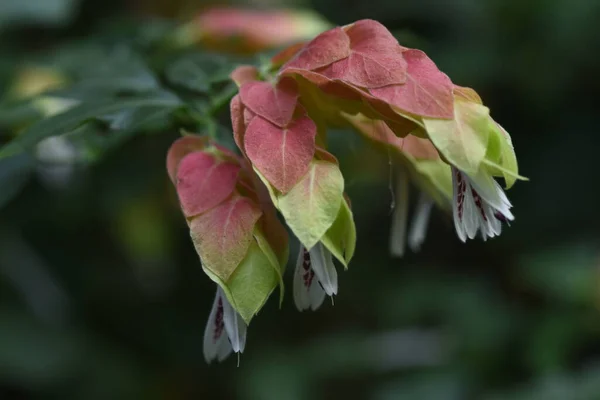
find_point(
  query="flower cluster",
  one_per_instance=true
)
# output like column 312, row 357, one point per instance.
column 357, row 76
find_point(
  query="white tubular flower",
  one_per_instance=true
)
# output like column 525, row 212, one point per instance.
column 225, row 330
column 321, row 262
column 400, row 215
column 308, row 293
column 479, row 203
column 418, row 228
column 420, row 219
column 314, row 277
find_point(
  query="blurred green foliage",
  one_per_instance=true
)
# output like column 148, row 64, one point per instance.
column 102, row 295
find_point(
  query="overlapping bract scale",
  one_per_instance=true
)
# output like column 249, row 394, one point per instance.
column 282, row 155
column 275, row 103
column 375, row 58
column 326, row 48
column 203, row 181
column 427, row 91
column 303, row 182
column 230, row 226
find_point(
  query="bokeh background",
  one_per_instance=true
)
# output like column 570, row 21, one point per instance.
column 102, row 295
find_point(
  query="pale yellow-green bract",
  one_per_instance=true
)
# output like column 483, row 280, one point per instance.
column 311, row 207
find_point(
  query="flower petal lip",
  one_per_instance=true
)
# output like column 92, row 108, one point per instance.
column 322, row 263
column 308, row 293
column 479, row 204
column 216, row 344
column 234, row 325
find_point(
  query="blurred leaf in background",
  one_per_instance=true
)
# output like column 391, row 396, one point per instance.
column 48, row 12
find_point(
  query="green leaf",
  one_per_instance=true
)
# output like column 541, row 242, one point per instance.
column 568, row 273
column 18, row 114
column 198, row 71
column 141, row 118
column 98, row 72
column 93, row 138
column 50, row 106
column 46, row 12
column 71, row 119
column 14, row 174
column 33, row 354
column 340, row 238
column 464, row 139
column 311, row 207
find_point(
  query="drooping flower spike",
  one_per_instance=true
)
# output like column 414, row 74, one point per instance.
column 240, row 243
column 358, row 76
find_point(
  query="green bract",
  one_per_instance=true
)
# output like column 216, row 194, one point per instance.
column 311, row 207
column 500, row 158
column 463, row 140
column 251, row 284
column 340, row 238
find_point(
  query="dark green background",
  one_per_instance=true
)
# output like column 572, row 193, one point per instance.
column 102, row 295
